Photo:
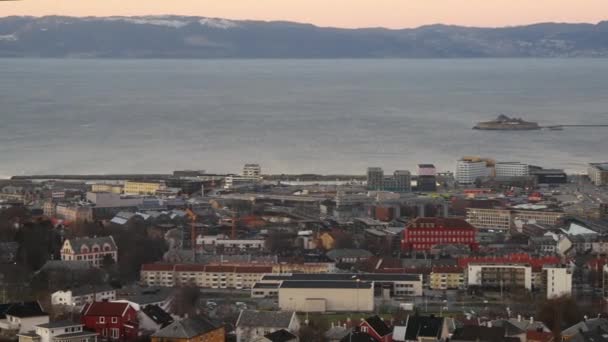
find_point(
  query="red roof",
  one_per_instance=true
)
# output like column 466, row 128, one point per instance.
column 157, row 267
column 254, row 269
column 220, row 269
column 105, row 309
column 447, row 269
column 189, row 268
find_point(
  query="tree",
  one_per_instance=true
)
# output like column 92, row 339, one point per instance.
column 314, row 331
column 559, row 313
column 185, row 301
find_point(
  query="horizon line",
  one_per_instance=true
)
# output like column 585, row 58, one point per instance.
column 312, row 24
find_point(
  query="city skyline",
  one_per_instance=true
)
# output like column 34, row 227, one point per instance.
column 339, row 13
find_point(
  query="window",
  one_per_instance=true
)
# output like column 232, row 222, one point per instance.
column 364, row 329
column 114, row 319
column 102, row 320
column 114, row 333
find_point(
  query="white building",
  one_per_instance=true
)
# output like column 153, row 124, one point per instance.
column 222, row 241
column 22, row 317
column 252, row 170
column 326, row 296
column 78, row 297
column 558, row 281
column 235, row 181
column 503, row 275
column 468, row 170
column 512, row 169
column 92, row 250
column 60, row 331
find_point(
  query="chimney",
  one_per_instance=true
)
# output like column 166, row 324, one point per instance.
column 585, row 318
column 519, row 318
column 531, row 319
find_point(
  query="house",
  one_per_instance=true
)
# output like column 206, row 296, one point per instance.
column 277, row 336
column 377, row 328
column 22, row 317
column 93, row 250
column 153, row 318
column 252, row 324
column 478, row 333
column 575, row 332
column 80, row 296
column 113, row 321
column 348, row 255
column 358, row 336
column 59, row 331
column 191, row 329
column 422, row 328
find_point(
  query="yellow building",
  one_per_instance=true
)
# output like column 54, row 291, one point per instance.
column 113, row 188
column 142, row 188
column 444, row 278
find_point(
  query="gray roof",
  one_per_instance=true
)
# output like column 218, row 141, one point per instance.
column 187, row 328
column 275, row 319
column 89, row 242
column 587, row 325
column 343, row 276
column 348, row 253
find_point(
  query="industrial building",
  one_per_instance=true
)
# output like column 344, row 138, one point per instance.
column 326, row 296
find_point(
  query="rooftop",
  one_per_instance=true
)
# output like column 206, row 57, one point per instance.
column 187, row 328
column 343, row 277
column 275, row 319
column 339, row 284
column 59, row 324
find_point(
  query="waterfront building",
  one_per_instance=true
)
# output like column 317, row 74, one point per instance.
column 598, row 173
column 512, row 169
column 469, row 169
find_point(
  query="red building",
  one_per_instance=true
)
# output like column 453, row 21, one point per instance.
column 112, row 321
column 423, row 233
column 375, row 327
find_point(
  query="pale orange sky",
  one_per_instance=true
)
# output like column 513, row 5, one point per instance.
column 340, row 13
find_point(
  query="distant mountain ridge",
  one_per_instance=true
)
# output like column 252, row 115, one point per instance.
column 199, row 37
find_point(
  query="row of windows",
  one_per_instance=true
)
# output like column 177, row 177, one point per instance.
column 439, row 240
column 102, row 320
column 442, row 232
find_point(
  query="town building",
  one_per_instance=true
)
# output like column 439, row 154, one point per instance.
column 326, row 296
column 469, row 169
column 80, row 296
column 193, row 329
column 252, row 170
column 598, row 173
column 376, row 327
column 500, row 276
column 21, row 317
column 143, row 188
column 512, row 169
column 59, row 331
column 105, row 187
column 74, row 212
column 505, row 219
column 386, row 285
column 222, row 243
column 427, row 178
column 400, row 181
column 446, row 278
column 557, row 281
column 205, row 276
column 92, row 250
column 254, row 324
column 423, row 233
column 112, row 321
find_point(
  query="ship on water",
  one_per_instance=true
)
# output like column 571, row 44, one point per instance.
column 505, row 123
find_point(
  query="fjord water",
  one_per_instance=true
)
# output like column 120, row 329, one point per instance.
column 293, row 116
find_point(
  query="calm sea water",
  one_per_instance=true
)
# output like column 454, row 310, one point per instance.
column 292, row 116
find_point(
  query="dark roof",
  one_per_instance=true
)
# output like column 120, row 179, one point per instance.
column 83, row 333
column 105, row 309
column 266, row 286
column 378, row 325
column 304, row 284
column 59, row 324
column 188, row 328
column 277, row 319
column 344, row 276
column 358, row 337
column 280, row 336
column 158, row 315
column 478, row 333
column 423, row 326
column 348, row 253
column 25, row 309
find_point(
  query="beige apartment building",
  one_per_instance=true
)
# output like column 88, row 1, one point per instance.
column 113, row 188
column 504, row 219
column 204, row 276
column 446, row 278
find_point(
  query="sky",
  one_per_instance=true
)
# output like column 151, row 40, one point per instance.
column 337, row 13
